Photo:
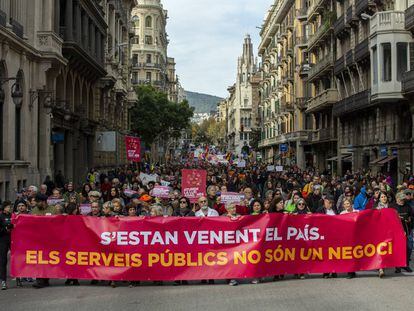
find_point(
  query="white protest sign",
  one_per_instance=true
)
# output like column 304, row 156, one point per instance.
column 85, row 209
column 54, row 201
column 241, row 163
column 161, row 192
column 231, row 197
column 279, row 168
column 146, row 178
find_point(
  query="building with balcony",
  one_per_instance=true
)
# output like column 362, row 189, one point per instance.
column 150, row 42
column 242, row 102
column 117, row 94
column 62, row 83
column 284, row 91
column 31, row 57
column 374, row 119
column 323, row 24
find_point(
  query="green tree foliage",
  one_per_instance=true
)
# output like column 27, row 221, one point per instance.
column 156, row 116
column 208, row 132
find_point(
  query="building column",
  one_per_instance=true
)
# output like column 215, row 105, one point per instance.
column 98, row 45
column 57, row 17
column 78, row 22
column 85, row 31
column 69, row 20
column 300, row 156
column 92, row 37
column 69, row 137
column 5, row 7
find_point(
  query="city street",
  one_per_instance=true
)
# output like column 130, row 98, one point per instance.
column 367, row 292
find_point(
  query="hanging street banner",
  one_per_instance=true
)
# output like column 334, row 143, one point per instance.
column 170, row 248
column 133, row 148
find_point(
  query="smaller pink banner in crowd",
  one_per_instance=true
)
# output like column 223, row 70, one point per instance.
column 193, row 184
column 133, row 148
column 162, row 192
column 53, row 201
column 232, row 197
column 85, row 209
column 129, row 192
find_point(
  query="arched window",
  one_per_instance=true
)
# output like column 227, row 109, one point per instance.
column 148, row 21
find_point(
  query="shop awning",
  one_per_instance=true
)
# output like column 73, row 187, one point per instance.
column 386, row 160
column 345, row 157
column 376, row 161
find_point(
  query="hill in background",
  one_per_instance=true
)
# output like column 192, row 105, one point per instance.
column 202, row 102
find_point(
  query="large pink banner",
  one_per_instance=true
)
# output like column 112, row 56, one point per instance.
column 193, row 184
column 133, row 148
column 191, row 248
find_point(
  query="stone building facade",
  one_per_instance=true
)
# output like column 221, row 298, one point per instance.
column 55, row 89
column 284, row 89
column 351, row 79
column 150, row 63
column 242, row 102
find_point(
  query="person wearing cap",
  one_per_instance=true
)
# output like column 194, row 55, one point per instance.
column 94, row 196
column 70, row 192
column 21, row 207
column 406, row 216
column 5, row 240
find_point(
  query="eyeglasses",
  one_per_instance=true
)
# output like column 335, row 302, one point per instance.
column 184, row 202
column 301, row 203
column 203, row 201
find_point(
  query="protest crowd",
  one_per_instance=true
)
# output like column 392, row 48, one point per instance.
column 155, row 191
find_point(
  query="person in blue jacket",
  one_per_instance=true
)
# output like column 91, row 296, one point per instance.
column 362, row 199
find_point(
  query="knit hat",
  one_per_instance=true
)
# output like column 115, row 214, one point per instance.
column 400, row 196
column 145, row 198
column 41, row 197
column 95, row 194
column 4, row 204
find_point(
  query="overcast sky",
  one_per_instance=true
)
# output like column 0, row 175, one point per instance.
column 206, row 37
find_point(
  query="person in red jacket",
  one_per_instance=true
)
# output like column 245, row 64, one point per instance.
column 374, row 199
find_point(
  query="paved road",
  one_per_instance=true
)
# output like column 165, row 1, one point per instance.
column 367, row 292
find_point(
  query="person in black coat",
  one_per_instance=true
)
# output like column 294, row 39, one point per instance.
column 406, row 215
column 5, row 240
column 328, row 207
column 184, row 210
column 314, row 200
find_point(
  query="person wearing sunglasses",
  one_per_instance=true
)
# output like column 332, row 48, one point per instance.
column 301, row 207
column 205, row 211
column 184, row 209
